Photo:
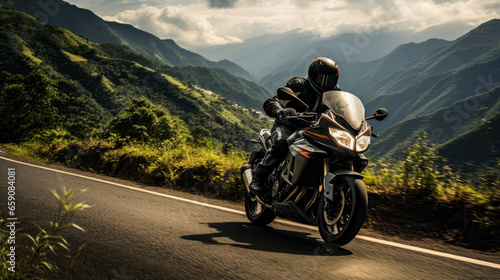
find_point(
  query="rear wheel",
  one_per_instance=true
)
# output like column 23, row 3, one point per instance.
column 257, row 213
column 341, row 219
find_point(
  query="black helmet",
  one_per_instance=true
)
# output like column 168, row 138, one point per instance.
column 323, row 74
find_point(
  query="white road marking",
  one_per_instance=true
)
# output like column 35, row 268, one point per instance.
column 371, row 239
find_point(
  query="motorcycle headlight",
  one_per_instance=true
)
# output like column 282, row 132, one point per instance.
column 362, row 143
column 343, row 138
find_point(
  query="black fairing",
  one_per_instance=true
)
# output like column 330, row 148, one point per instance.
column 307, row 162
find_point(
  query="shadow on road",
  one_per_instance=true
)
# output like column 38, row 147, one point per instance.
column 249, row 236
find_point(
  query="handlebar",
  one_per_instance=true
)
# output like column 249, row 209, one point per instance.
column 303, row 117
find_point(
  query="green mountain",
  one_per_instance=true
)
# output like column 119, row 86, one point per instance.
column 445, row 76
column 398, row 59
column 354, row 75
column 88, row 25
column 452, row 93
column 481, row 144
column 270, row 54
column 262, row 54
column 279, row 78
column 104, row 77
column 447, row 126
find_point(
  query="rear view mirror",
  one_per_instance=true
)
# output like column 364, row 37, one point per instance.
column 379, row 115
column 285, row 93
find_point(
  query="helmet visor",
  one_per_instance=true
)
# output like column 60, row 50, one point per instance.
column 325, row 81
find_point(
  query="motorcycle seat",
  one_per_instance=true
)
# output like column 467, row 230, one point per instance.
column 296, row 135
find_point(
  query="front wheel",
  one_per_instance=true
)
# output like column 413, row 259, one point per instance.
column 341, row 219
column 257, row 213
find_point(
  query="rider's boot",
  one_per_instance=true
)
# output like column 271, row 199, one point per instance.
column 257, row 184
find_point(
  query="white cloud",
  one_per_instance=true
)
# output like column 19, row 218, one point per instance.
column 210, row 22
column 175, row 22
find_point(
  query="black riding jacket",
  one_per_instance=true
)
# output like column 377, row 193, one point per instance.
column 304, row 91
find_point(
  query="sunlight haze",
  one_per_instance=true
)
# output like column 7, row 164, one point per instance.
column 201, row 23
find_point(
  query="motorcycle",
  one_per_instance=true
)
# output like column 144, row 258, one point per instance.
column 319, row 182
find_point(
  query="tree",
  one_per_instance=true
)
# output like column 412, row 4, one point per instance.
column 170, row 128
column 420, row 170
column 144, row 121
column 27, row 105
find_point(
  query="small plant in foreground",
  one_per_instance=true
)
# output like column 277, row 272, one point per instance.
column 38, row 262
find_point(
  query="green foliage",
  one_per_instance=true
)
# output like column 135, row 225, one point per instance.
column 420, row 170
column 424, row 175
column 205, row 169
column 79, row 117
column 26, row 105
column 56, row 136
column 486, row 180
column 423, row 187
column 238, row 90
column 145, row 122
column 66, row 211
column 384, row 177
column 38, row 263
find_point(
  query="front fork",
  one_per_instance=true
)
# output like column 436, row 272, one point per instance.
column 327, row 186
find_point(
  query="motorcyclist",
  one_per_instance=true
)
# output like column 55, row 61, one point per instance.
column 323, row 74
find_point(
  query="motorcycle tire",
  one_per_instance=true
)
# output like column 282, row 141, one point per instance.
column 256, row 213
column 341, row 219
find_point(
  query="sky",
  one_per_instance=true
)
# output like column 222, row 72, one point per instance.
column 194, row 24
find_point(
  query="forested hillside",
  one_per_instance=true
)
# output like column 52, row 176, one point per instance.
column 450, row 93
column 86, row 84
column 88, row 25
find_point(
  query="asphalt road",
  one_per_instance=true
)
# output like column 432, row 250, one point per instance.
column 134, row 233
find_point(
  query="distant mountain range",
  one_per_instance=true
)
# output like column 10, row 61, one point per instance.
column 355, row 76
column 452, row 93
column 447, row 88
column 88, row 25
column 268, row 54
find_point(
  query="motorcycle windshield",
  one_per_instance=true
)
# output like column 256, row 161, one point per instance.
column 347, row 106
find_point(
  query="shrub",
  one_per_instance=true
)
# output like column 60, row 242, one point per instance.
column 420, row 170
column 56, row 136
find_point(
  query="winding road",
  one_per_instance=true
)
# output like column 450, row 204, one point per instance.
column 139, row 232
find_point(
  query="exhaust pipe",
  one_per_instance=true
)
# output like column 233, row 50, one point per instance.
column 246, row 175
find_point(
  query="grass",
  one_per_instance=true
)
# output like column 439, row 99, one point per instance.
column 175, row 81
column 74, row 57
column 30, row 150
column 108, row 84
column 459, row 208
column 187, row 167
column 205, row 97
column 143, row 67
column 29, row 53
